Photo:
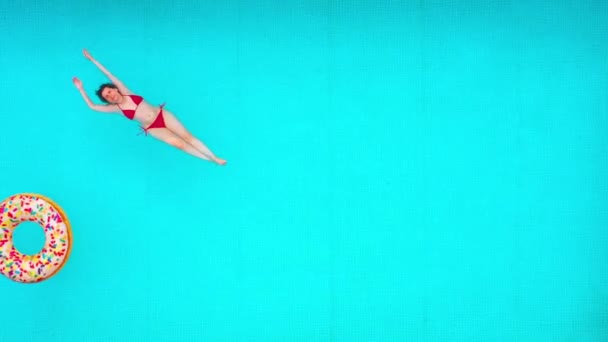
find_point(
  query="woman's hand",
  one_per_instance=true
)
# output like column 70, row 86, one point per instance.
column 87, row 54
column 77, row 82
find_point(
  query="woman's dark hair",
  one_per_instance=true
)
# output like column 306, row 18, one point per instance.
column 102, row 87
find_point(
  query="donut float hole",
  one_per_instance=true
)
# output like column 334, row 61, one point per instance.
column 29, row 238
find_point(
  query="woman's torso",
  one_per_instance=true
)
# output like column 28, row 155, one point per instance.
column 137, row 108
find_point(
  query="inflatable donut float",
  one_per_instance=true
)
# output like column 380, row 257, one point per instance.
column 58, row 243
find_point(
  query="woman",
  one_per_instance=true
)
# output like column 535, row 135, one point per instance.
column 157, row 121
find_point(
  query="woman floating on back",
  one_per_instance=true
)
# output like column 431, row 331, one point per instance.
column 156, row 121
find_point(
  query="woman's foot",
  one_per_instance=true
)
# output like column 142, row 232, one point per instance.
column 219, row 161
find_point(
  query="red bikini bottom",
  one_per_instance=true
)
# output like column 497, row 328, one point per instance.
column 159, row 122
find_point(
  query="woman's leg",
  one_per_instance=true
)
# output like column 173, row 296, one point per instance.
column 176, row 127
column 174, row 140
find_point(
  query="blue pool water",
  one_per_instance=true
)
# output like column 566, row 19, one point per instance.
column 397, row 171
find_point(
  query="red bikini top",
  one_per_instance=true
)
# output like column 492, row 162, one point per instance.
column 130, row 113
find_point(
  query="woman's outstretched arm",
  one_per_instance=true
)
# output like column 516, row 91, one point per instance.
column 118, row 83
column 99, row 108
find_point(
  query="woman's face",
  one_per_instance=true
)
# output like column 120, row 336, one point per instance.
column 111, row 95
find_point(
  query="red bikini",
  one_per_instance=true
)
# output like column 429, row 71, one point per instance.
column 159, row 122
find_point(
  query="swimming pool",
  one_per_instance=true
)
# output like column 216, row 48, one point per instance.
column 396, row 172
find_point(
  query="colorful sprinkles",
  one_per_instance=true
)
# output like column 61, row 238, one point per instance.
column 33, row 268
